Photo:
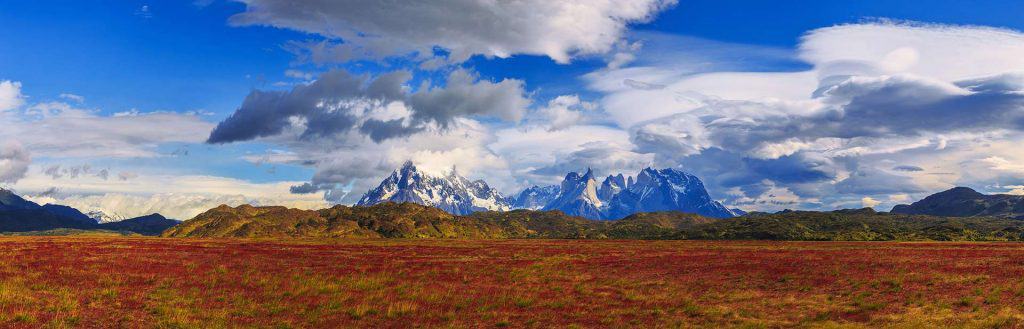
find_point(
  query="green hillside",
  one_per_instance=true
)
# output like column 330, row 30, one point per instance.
column 408, row 220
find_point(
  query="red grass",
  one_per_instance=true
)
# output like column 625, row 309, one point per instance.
column 147, row 282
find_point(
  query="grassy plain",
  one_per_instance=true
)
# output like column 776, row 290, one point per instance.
column 184, row 283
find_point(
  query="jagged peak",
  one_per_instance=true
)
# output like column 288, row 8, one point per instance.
column 407, row 166
column 961, row 190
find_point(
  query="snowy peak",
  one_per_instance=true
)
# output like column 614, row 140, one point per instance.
column 535, row 197
column 451, row 192
column 578, row 196
column 665, row 190
column 611, row 186
column 619, row 196
column 102, row 217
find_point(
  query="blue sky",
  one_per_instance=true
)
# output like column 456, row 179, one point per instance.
column 185, row 68
column 184, row 56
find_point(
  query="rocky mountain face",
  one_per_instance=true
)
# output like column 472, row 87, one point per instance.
column 452, row 193
column 666, row 190
column 652, row 191
column 578, row 196
column 966, row 202
column 534, row 197
column 616, row 196
column 611, row 186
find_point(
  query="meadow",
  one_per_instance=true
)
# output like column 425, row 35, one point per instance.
column 102, row 281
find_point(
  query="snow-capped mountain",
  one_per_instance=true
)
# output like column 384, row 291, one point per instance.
column 452, row 193
column 535, row 197
column 666, row 190
column 578, row 196
column 619, row 196
column 611, row 186
column 102, row 217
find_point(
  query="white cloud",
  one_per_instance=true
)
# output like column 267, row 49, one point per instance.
column 533, row 147
column 945, row 52
column 380, row 107
column 10, row 95
column 999, row 163
column 875, row 96
column 179, row 197
column 74, row 98
column 900, row 198
column 56, row 129
column 14, row 162
column 868, row 202
column 564, row 111
column 378, row 29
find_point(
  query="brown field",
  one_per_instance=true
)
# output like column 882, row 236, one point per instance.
column 185, row 283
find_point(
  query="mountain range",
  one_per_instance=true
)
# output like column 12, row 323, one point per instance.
column 578, row 195
column 452, row 192
column 966, row 202
column 20, row 215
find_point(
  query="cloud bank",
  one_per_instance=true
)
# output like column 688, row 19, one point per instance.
column 379, row 29
column 888, row 109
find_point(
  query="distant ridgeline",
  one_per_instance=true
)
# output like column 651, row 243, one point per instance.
column 20, row 215
column 578, row 195
column 969, row 216
column 966, row 202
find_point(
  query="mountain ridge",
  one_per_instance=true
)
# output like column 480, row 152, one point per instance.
column 452, row 192
column 20, row 215
column 616, row 196
column 965, row 202
column 410, row 220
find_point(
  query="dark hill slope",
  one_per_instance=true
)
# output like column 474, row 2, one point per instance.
column 145, row 225
column 966, row 202
column 387, row 220
column 408, row 220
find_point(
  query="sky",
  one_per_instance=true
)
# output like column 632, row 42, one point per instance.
column 135, row 107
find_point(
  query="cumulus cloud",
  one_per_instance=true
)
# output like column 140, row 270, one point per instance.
column 564, row 111
column 530, row 148
column 873, row 93
column 380, row 107
column 348, row 164
column 465, row 95
column 10, row 95
column 378, row 29
column 602, row 156
column 14, row 162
